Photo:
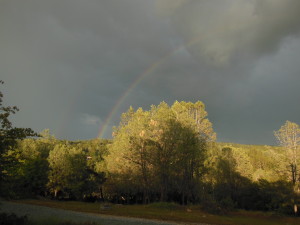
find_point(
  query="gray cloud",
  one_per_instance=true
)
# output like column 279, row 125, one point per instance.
column 235, row 30
column 67, row 63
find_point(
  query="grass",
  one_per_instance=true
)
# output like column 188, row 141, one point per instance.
column 170, row 212
column 54, row 221
column 14, row 219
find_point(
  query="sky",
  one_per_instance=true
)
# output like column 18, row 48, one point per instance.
column 74, row 66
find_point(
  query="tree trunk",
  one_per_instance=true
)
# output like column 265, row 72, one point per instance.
column 145, row 197
column 162, row 195
column 101, row 194
column 294, row 173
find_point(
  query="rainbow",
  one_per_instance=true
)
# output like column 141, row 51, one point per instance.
column 148, row 71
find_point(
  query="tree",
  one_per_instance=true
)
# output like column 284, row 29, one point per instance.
column 33, row 166
column 288, row 136
column 177, row 155
column 68, row 172
column 8, row 133
column 197, row 114
column 161, row 149
column 8, row 137
column 33, row 177
column 129, row 152
column 95, row 151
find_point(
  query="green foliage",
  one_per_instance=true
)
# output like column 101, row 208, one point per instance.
column 83, row 166
column 230, row 186
column 257, row 161
column 12, row 219
column 288, row 136
column 162, row 149
column 9, row 136
column 276, row 196
column 165, row 154
column 68, row 170
column 80, row 172
column 34, row 176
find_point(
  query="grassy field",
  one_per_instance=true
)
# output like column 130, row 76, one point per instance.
column 170, row 212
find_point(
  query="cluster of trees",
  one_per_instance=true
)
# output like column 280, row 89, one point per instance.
column 54, row 168
column 167, row 153
column 159, row 154
column 8, row 140
column 247, row 177
column 45, row 166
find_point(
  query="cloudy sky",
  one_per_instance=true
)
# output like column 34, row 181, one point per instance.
column 74, row 66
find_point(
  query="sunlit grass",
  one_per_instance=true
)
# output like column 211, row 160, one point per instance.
column 171, row 212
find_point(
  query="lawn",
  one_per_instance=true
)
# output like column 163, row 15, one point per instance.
column 170, row 212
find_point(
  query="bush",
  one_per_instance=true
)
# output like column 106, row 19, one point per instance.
column 227, row 204
column 211, row 206
column 221, row 206
column 165, row 205
column 12, row 219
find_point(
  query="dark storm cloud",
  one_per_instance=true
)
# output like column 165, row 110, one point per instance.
column 66, row 63
column 231, row 42
column 74, row 56
column 236, row 29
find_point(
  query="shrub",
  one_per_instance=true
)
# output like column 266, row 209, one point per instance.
column 165, row 205
column 12, row 219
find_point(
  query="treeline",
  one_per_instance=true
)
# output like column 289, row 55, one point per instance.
column 167, row 153
column 158, row 155
column 54, row 168
column 164, row 154
column 233, row 176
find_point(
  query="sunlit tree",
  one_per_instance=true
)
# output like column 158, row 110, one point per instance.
column 161, row 148
column 9, row 135
column 288, row 136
